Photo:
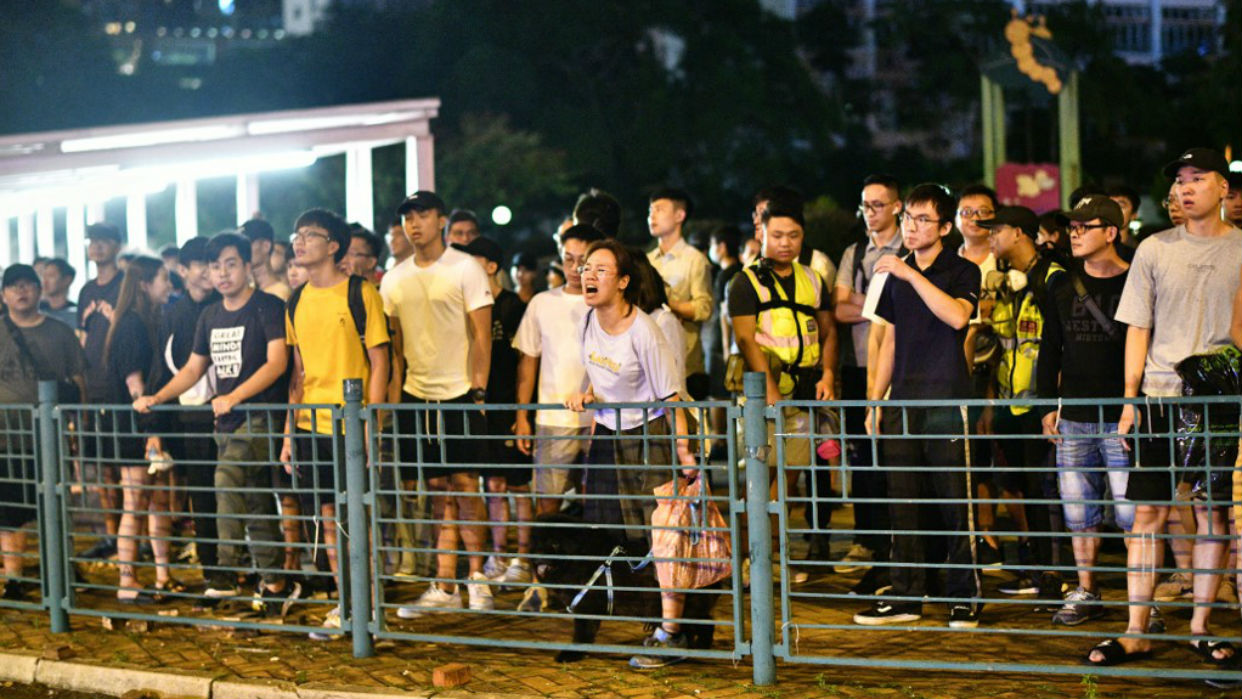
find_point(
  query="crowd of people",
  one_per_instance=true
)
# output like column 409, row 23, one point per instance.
column 946, row 297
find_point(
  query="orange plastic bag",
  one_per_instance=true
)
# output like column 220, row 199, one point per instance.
column 689, row 526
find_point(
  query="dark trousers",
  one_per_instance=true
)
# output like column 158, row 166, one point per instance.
column 921, row 495
column 194, row 452
column 1024, row 461
column 868, row 481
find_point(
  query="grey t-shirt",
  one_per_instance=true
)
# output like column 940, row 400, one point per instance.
column 52, row 344
column 636, row 366
column 859, row 283
column 1181, row 286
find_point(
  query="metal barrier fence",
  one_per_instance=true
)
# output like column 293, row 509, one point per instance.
column 918, row 480
column 21, row 506
column 370, row 516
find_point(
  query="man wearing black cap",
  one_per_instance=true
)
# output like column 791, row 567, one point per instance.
column 1017, row 320
column 439, row 305
column 95, row 303
column 1177, row 304
column 262, row 237
column 33, row 347
column 1082, row 355
column 513, row 472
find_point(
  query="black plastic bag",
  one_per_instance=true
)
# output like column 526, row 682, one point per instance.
column 1216, row 373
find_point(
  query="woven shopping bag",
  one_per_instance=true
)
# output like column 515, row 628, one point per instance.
column 689, row 527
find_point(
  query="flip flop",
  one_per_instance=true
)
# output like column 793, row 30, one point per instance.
column 1207, row 651
column 1113, row 654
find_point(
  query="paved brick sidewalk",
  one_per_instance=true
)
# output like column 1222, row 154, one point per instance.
column 407, row 666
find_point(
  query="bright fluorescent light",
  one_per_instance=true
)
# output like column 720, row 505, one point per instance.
column 275, row 126
column 150, row 138
column 1235, row 166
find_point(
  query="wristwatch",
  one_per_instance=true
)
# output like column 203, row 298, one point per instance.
column 478, row 395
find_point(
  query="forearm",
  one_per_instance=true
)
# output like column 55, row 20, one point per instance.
column 1137, row 340
column 528, row 366
column 267, row 375
column 480, row 360
column 377, row 384
column 883, row 368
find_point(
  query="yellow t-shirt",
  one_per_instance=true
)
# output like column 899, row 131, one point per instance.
column 328, row 342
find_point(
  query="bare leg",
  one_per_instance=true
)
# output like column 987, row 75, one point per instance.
column 524, row 516
column 159, row 525
column 498, row 512
column 1143, row 556
column 672, row 604
column 1208, row 554
column 290, row 526
column 13, row 544
column 470, row 508
column 1182, row 526
column 1086, row 550
column 134, row 498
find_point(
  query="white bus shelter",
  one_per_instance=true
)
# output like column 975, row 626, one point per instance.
column 79, row 171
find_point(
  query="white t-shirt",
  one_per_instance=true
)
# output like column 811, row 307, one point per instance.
column 675, row 336
column 432, row 304
column 551, row 329
column 636, row 366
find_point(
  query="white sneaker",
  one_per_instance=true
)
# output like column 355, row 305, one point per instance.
column 494, row 568
column 858, row 558
column 332, row 621
column 480, row 593
column 517, row 572
column 431, row 600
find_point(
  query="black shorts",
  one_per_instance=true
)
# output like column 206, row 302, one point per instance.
column 315, row 473
column 511, row 464
column 112, row 438
column 1155, row 476
column 18, row 479
column 444, row 437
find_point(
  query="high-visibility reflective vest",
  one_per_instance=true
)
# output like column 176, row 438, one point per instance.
column 786, row 328
column 1018, row 322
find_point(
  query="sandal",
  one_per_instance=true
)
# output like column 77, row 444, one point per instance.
column 143, row 597
column 1113, row 654
column 172, row 586
column 1207, row 651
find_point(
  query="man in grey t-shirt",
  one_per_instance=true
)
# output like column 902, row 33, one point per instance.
column 1177, row 303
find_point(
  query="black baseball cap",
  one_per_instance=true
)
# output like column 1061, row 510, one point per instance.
column 105, row 231
column 16, row 274
column 1019, row 217
column 525, row 260
column 257, row 229
column 483, row 247
column 422, row 200
column 1094, row 206
column 1204, row 159
column 1235, row 180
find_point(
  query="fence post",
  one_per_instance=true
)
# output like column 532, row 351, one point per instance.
column 356, row 514
column 51, row 536
column 761, row 604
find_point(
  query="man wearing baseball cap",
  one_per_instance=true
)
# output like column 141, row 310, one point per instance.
column 33, row 347
column 1177, row 303
column 1017, row 320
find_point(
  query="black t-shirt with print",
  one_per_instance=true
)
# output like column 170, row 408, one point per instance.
column 236, row 344
column 507, row 314
column 96, row 329
column 131, row 352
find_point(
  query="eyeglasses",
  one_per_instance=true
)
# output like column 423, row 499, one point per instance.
column 872, row 207
column 307, row 235
column 1082, row 228
column 597, row 271
column 920, row 220
column 976, row 213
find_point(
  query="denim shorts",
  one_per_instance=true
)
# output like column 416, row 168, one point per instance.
column 1085, row 457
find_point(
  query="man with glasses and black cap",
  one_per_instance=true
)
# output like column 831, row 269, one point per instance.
column 1177, row 303
column 1082, row 355
column 1017, row 321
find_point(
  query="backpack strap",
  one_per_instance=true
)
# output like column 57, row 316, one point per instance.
column 1080, row 290
column 357, row 309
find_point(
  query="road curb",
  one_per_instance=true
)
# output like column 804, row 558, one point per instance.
column 117, row 681
column 27, row 667
column 18, row 667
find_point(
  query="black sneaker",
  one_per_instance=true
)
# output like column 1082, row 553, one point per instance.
column 16, row 591
column 276, row 604
column 1024, row 584
column 964, row 616
column 882, row 613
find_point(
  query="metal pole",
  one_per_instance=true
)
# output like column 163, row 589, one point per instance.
column 761, row 605
column 51, row 536
column 355, row 504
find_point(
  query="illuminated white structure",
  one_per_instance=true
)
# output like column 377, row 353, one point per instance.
column 77, row 172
